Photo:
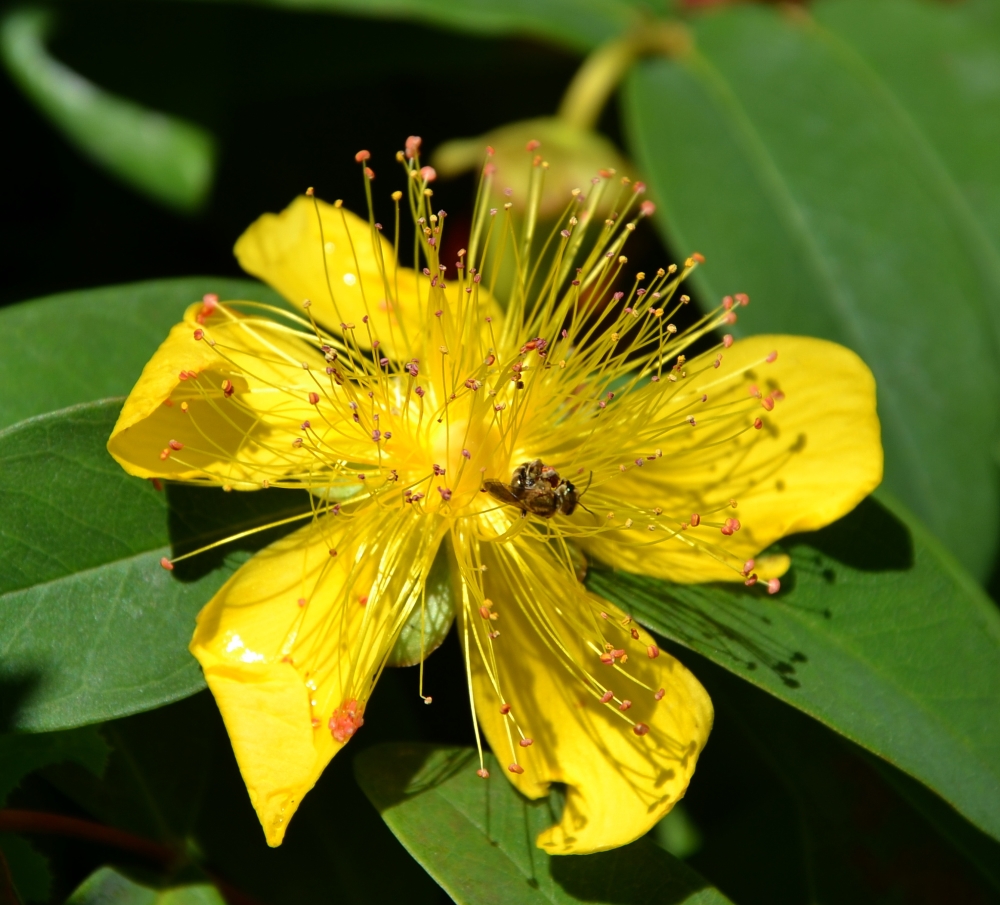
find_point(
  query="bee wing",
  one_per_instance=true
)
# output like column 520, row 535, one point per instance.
column 501, row 491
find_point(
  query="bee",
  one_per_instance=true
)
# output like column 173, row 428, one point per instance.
column 536, row 488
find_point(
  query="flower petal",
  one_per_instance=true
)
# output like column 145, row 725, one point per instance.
column 234, row 399
column 546, row 664
column 293, row 643
column 291, row 253
column 817, row 456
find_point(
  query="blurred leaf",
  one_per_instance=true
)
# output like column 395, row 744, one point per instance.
column 108, row 887
column 877, row 633
column 477, row 839
column 29, row 869
column 23, row 754
column 940, row 63
column 579, row 24
column 91, row 626
column 166, row 158
column 93, row 344
column 677, row 833
column 792, row 169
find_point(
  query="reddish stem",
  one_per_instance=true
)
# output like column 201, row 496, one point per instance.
column 13, row 820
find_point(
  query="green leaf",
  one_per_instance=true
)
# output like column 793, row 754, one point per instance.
column 877, row 633
column 29, row 869
column 578, row 24
column 106, row 886
column 172, row 777
column 784, row 162
column 93, row 344
column 941, row 64
column 90, row 626
column 429, row 624
column 165, row 158
column 477, row 839
column 23, row 754
column 825, row 816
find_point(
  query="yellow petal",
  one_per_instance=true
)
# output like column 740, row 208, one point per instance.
column 817, row 456
column 293, row 643
column 290, row 252
column 546, row 663
column 239, row 434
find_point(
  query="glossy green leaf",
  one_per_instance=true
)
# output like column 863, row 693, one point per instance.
column 876, row 632
column 792, row 813
column 93, row 344
column 166, row 158
column 90, row 626
column 578, row 24
column 106, row 886
column 477, row 839
column 793, row 171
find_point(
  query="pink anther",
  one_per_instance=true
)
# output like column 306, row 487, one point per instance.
column 346, row 720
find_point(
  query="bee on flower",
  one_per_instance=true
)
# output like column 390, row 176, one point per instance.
column 436, row 424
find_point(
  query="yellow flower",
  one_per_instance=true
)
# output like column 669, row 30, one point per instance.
column 422, row 415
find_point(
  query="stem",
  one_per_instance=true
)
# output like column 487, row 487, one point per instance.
column 14, row 820
column 601, row 72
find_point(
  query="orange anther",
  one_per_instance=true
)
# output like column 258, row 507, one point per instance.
column 757, row 423
column 485, row 612
column 484, row 773
column 227, row 388
column 515, row 768
column 362, row 156
column 700, row 258
column 302, row 601
column 607, row 696
column 659, row 695
column 526, row 742
column 533, row 145
column 314, row 398
column 167, row 564
column 640, row 728
column 625, row 705
column 652, row 652
column 773, row 586
column 176, row 444
column 504, row 709
column 695, row 520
